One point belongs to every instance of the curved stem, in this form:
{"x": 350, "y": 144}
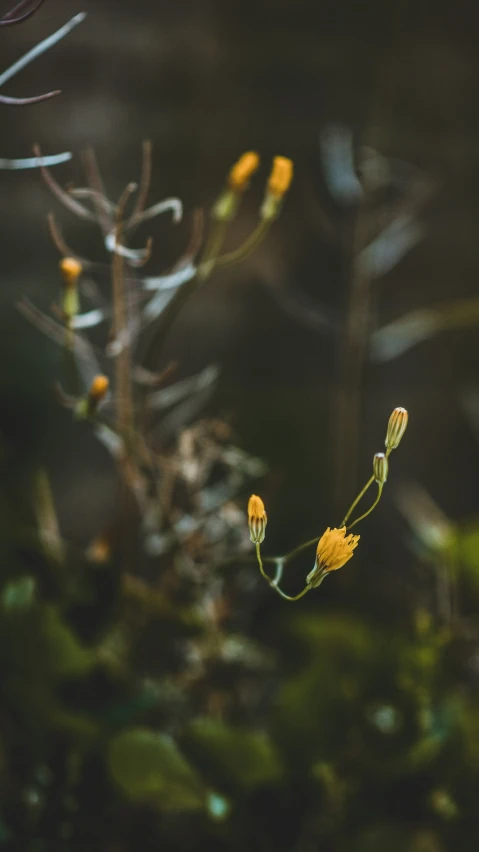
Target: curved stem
{"x": 287, "y": 597}
{"x": 260, "y": 563}
{"x": 356, "y": 501}
{"x": 273, "y": 582}
{"x": 361, "y": 517}
{"x": 279, "y": 570}
{"x": 212, "y": 249}
{"x": 300, "y": 548}
{"x": 248, "y": 246}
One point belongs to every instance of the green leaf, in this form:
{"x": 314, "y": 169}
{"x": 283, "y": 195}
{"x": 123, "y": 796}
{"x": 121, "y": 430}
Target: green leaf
{"x": 65, "y": 655}
{"x": 19, "y": 594}
{"x": 469, "y": 551}
{"x": 148, "y": 767}
{"x": 247, "y": 758}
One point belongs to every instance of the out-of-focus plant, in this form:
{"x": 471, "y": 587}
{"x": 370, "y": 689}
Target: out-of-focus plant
{"x": 21, "y": 12}
{"x": 143, "y": 609}
{"x": 139, "y": 305}
{"x": 380, "y": 200}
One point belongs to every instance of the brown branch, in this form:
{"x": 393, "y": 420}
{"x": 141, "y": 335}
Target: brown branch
{"x": 4, "y": 99}
{"x": 17, "y": 14}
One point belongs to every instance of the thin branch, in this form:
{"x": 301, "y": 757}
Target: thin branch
{"x": 105, "y": 209}
{"x": 41, "y": 48}
{"x": 102, "y": 204}
{"x": 173, "y": 204}
{"x": 145, "y": 181}
{"x": 59, "y": 193}
{"x": 61, "y": 245}
{"x": 36, "y": 99}
{"x": 120, "y": 323}
{"x": 17, "y": 14}
{"x": 34, "y": 162}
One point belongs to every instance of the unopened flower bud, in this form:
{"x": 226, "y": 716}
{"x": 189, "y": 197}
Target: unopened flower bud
{"x": 88, "y": 405}
{"x": 99, "y": 388}
{"x": 396, "y": 428}
{"x": 99, "y": 550}
{"x": 241, "y": 172}
{"x": 380, "y": 468}
{"x": 280, "y": 177}
{"x": 238, "y": 181}
{"x": 278, "y": 184}
{"x": 71, "y": 269}
{"x": 256, "y": 519}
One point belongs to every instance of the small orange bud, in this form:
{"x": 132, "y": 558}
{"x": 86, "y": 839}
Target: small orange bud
{"x": 256, "y": 519}
{"x": 71, "y": 270}
{"x": 98, "y": 389}
{"x": 241, "y": 172}
{"x": 99, "y": 550}
{"x": 396, "y": 428}
{"x": 280, "y": 177}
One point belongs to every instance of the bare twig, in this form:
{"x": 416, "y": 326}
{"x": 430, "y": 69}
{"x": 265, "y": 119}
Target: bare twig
{"x": 41, "y": 48}
{"x": 18, "y": 13}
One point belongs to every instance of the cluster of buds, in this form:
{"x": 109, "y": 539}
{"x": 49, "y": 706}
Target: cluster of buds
{"x": 396, "y": 428}
{"x": 336, "y": 546}
{"x": 238, "y": 182}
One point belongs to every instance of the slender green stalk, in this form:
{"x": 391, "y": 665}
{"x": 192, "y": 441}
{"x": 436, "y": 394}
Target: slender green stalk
{"x": 279, "y": 571}
{"x": 248, "y": 246}
{"x": 356, "y": 501}
{"x": 212, "y": 250}
{"x": 361, "y": 517}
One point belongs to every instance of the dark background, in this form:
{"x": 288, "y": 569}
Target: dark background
{"x": 205, "y": 81}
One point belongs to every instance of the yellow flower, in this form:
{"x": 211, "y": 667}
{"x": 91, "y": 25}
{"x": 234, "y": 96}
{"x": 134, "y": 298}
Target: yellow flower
{"x": 280, "y": 177}
{"x": 333, "y": 550}
{"x": 256, "y": 519}
{"x": 241, "y": 172}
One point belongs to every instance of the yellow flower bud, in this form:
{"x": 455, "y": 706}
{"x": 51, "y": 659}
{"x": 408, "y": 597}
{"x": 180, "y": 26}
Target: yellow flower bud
{"x": 256, "y": 519}
{"x": 99, "y": 550}
{"x": 278, "y": 184}
{"x": 98, "y": 389}
{"x": 380, "y": 468}
{"x": 71, "y": 270}
{"x": 396, "y": 428}
{"x": 241, "y": 172}
{"x": 280, "y": 177}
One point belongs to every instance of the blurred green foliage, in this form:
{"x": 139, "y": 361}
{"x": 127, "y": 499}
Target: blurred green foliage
{"x": 357, "y": 736}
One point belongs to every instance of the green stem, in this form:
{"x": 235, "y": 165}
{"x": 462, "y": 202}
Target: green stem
{"x": 361, "y": 517}
{"x": 300, "y": 548}
{"x": 287, "y": 597}
{"x": 356, "y": 501}
{"x": 248, "y": 246}
{"x": 260, "y": 563}
{"x": 212, "y": 250}
{"x": 279, "y": 571}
